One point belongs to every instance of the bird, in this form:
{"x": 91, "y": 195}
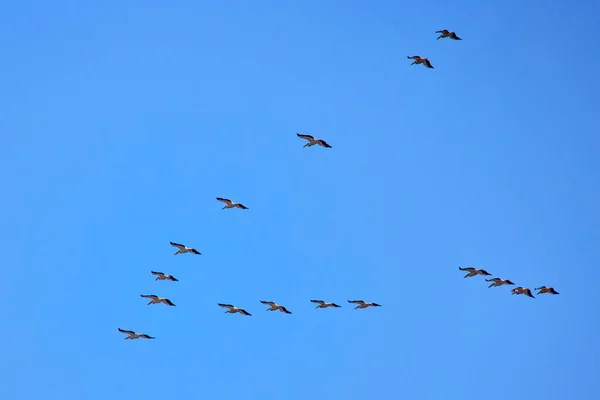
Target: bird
{"x": 323, "y": 304}
{"x": 474, "y": 271}
{"x": 420, "y": 60}
{"x": 312, "y": 141}
{"x": 363, "y": 304}
{"x": 446, "y": 33}
{"x": 231, "y": 204}
{"x": 274, "y": 307}
{"x": 544, "y": 289}
{"x": 498, "y": 282}
{"x": 156, "y": 300}
{"x": 133, "y": 335}
{"x": 184, "y": 249}
{"x": 233, "y": 309}
{"x": 164, "y": 277}
{"x": 521, "y": 290}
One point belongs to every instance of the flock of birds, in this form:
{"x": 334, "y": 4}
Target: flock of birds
{"x": 360, "y": 304}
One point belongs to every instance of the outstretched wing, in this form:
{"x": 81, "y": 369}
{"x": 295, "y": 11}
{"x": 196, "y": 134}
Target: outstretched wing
{"x": 428, "y": 64}
{"x": 241, "y": 206}
{"x": 268, "y": 302}
{"x": 242, "y": 311}
{"x": 317, "y": 301}
{"x": 356, "y": 301}
{"x": 324, "y": 143}
{"x": 227, "y": 201}
{"x": 414, "y": 57}
{"x": 226, "y": 305}
{"x": 444, "y": 31}
{"x": 143, "y": 335}
{"x": 177, "y": 245}
{"x": 168, "y": 302}
{"x": 157, "y": 273}
{"x": 285, "y": 310}
{"x": 125, "y": 331}
{"x": 307, "y": 137}
{"x": 149, "y": 296}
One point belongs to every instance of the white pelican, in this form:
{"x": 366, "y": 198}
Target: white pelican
{"x": 162, "y": 277}
{"x": 231, "y": 204}
{"x": 521, "y": 290}
{"x": 499, "y": 282}
{"x": 323, "y": 304}
{"x": 420, "y": 60}
{"x": 133, "y": 335}
{"x": 474, "y": 271}
{"x": 446, "y": 33}
{"x": 312, "y": 141}
{"x": 544, "y": 289}
{"x": 274, "y": 307}
{"x": 363, "y": 304}
{"x": 156, "y": 300}
{"x": 184, "y": 249}
{"x": 233, "y": 309}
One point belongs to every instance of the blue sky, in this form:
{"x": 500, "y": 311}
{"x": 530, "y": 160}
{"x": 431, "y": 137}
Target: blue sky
{"x": 122, "y": 123}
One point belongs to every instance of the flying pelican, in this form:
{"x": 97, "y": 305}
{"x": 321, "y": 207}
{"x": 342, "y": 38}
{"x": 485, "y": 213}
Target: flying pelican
{"x": 274, "y": 307}
{"x": 323, "y": 304}
{"x": 446, "y": 33}
{"x": 498, "y": 282}
{"x": 184, "y": 249}
{"x": 474, "y": 271}
{"x": 233, "y": 309}
{"x": 231, "y": 204}
{"x": 156, "y": 300}
{"x": 162, "y": 277}
{"x": 363, "y": 304}
{"x": 544, "y": 289}
{"x": 420, "y": 60}
{"x": 521, "y": 290}
{"x": 312, "y": 141}
{"x": 133, "y": 335}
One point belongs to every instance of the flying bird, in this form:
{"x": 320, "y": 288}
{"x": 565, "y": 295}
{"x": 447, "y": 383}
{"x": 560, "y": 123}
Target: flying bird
{"x": 420, "y": 60}
{"x": 274, "y": 307}
{"x": 133, "y": 335}
{"x": 446, "y": 33}
{"x": 233, "y": 309}
{"x": 474, "y": 271}
{"x": 312, "y": 141}
{"x": 363, "y": 304}
{"x": 184, "y": 249}
{"x": 544, "y": 289}
{"x": 498, "y": 282}
{"x": 521, "y": 290}
{"x": 164, "y": 277}
{"x": 323, "y": 304}
{"x": 231, "y": 204}
{"x": 156, "y": 300}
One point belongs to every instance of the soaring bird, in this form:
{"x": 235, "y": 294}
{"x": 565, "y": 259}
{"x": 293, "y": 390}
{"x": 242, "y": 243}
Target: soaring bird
{"x": 544, "y": 289}
{"x": 184, "y": 249}
{"x": 521, "y": 290}
{"x": 474, "y": 271}
{"x": 274, "y": 307}
{"x": 233, "y": 309}
{"x": 164, "y": 277}
{"x": 156, "y": 300}
{"x": 420, "y": 60}
{"x": 446, "y": 33}
{"x": 363, "y": 304}
{"x": 312, "y": 141}
{"x": 323, "y": 304}
{"x": 133, "y": 335}
{"x": 498, "y": 282}
{"x": 231, "y": 204}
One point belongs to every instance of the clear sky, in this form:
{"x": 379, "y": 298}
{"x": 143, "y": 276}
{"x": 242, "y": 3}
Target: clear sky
{"x": 121, "y": 123}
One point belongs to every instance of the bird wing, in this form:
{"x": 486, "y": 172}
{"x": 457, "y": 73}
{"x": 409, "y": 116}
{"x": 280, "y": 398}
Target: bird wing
{"x": 226, "y": 305}
{"x": 149, "y": 296}
{"x": 484, "y": 272}
{"x": 143, "y": 335}
{"x": 334, "y": 305}
{"x": 242, "y": 311}
{"x": 225, "y": 200}
{"x": 414, "y": 57}
{"x": 444, "y": 31}
{"x": 285, "y": 310}
{"x": 307, "y": 137}
{"x": 356, "y": 301}
{"x": 493, "y": 280}
{"x": 323, "y": 143}
{"x": 317, "y": 301}
{"x": 271, "y": 303}
{"x": 509, "y": 282}
{"x": 195, "y": 251}
{"x": 157, "y": 273}
{"x": 125, "y": 331}
{"x": 239, "y": 205}
{"x": 467, "y": 269}
{"x": 177, "y": 245}
{"x": 169, "y": 302}
{"x": 428, "y": 64}
{"x": 171, "y": 277}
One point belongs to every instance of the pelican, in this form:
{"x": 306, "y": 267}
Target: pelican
{"x": 184, "y": 249}
{"x": 163, "y": 277}
{"x": 133, "y": 335}
{"x": 474, "y": 271}
{"x": 521, "y": 290}
{"x": 446, "y": 33}
{"x": 323, "y": 304}
{"x": 231, "y": 204}
{"x": 363, "y": 304}
{"x": 233, "y": 309}
{"x": 156, "y": 300}
{"x": 274, "y": 307}
{"x": 544, "y": 289}
{"x": 498, "y": 282}
{"x": 420, "y": 60}
{"x": 312, "y": 141}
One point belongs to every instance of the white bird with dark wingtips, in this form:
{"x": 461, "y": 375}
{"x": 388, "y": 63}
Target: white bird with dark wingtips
{"x": 156, "y": 300}
{"x": 323, "y": 304}
{"x": 231, "y": 204}
{"x": 133, "y": 335}
{"x": 164, "y": 277}
{"x": 274, "y": 307}
{"x": 312, "y": 141}
{"x": 363, "y": 304}
{"x": 184, "y": 249}
{"x": 233, "y": 309}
